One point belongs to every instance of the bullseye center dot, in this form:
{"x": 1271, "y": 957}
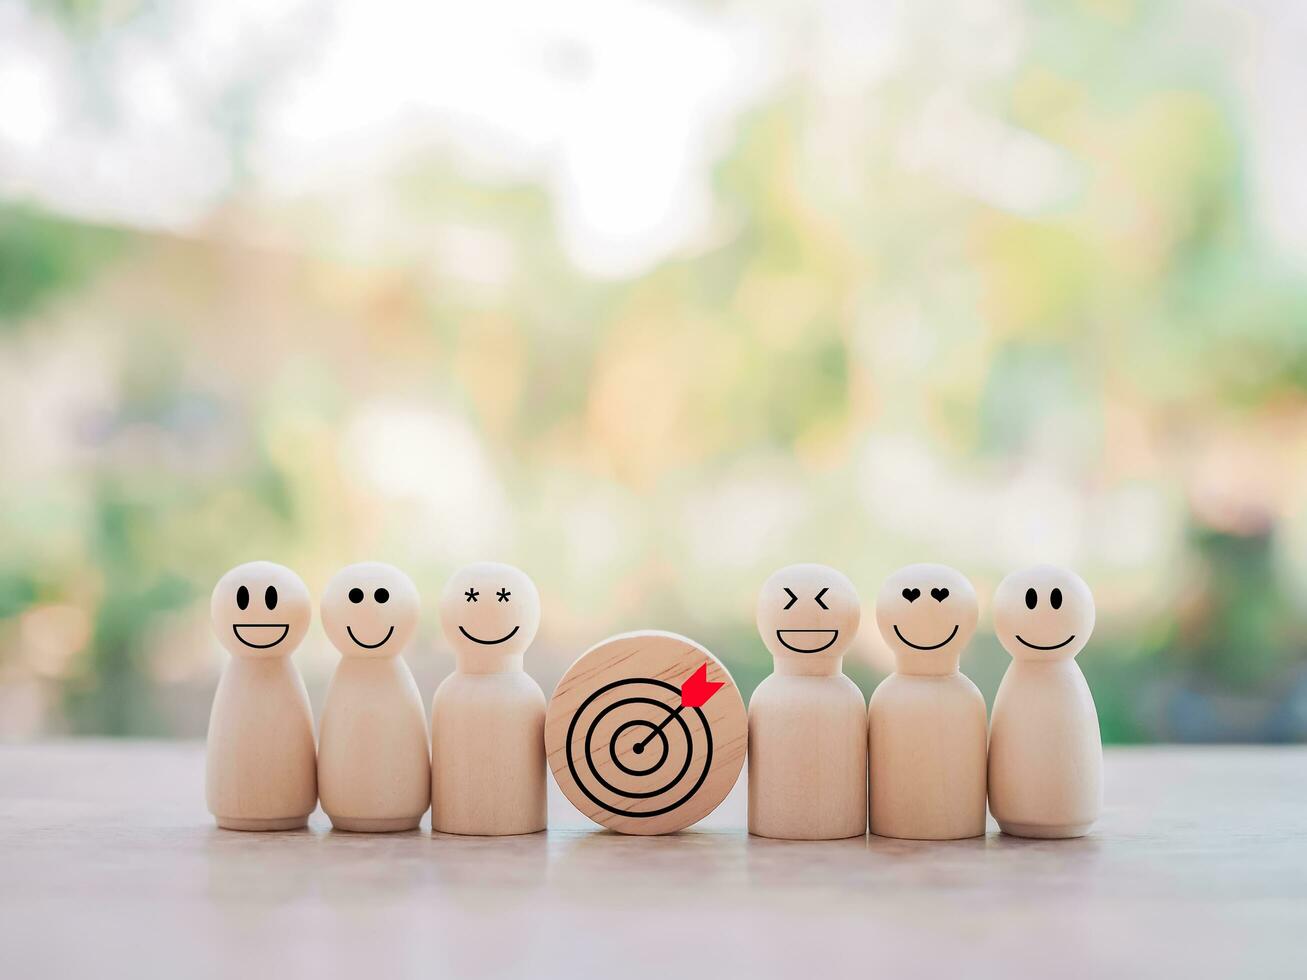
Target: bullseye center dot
{"x": 639, "y": 747}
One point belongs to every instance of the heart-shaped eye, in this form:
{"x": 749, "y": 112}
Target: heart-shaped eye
{"x": 939, "y": 595}
{"x": 911, "y": 594}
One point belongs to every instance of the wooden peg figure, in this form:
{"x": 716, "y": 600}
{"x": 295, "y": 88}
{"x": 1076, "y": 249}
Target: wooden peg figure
{"x": 488, "y": 717}
{"x": 260, "y": 769}
{"x": 807, "y": 721}
{"x": 373, "y": 764}
{"x": 926, "y": 721}
{"x": 1045, "y": 752}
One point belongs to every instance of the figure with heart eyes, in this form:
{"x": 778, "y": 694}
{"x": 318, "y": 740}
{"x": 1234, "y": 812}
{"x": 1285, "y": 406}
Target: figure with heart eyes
{"x": 807, "y": 721}
{"x": 926, "y": 721}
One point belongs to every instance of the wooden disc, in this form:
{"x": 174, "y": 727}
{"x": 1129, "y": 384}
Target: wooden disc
{"x": 627, "y": 752}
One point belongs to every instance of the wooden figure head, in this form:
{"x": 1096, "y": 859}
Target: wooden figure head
{"x": 807, "y": 612}
{"x": 260, "y": 609}
{"x": 370, "y": 610}
{"x": 1043, "y": 613}
{"x": 927, "y": 614}
{"x": 490, "y": 613}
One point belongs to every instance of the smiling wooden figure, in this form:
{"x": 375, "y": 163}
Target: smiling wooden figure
{"x": 488, "y": 717}
{"x": 1045, "y": 752}
{"x": 807, "y": 721}
{"x": 260, "y": 772}
{"x": 926, "y": 721}
{"x": 373, "y": 763}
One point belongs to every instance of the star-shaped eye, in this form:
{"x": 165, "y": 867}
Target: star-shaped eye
{"x": 503, "y": 595}
{"x": 471, "y": 595}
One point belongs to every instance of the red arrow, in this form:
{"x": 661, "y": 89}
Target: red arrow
{"x": 697, "y": 689}
{"x": 695, "y": 692}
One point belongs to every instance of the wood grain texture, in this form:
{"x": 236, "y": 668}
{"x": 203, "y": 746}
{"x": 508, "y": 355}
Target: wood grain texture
{"x": 111, "y": 867}
{"x": 262, "y": 761}
{"x": 488, "y": 757}
{"x": 604, "y": 744}
{"x": 374, "y": 768}
{"x": 807, "y": 758}
{"x": 927, "y": 749}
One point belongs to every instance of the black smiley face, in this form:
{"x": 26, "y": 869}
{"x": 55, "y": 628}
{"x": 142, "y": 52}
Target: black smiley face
{"x": 939, "y": 594}
{"x": 502, "y": 595}
{"x": 272, "y": 633}
{"x": 381, "y": 597}
{"x": 1032, "y": 603}
{"x": 802, "y": 640}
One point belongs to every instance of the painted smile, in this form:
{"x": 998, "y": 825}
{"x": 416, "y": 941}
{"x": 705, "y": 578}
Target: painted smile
{"x": 781, "y": 634}
{"x": 283, "y": 627}
{"x": 1055, "y": 646}
{"x": 370, "y": 646}
{"x": 476, "y": 639}
{"x": 916, "y": 646}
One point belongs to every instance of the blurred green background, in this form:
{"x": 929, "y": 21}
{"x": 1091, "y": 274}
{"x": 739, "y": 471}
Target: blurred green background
{"x": 650, "y": 299}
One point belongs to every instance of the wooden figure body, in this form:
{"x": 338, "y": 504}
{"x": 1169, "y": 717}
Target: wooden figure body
{"x": 807, "y": 721}
{"x": 926, "y": 721}
{"x": 488, "y": 717}
{"x": 260, "y": 769}
{"x": 1045, "y": 752}
{"x": 373, "y": 764}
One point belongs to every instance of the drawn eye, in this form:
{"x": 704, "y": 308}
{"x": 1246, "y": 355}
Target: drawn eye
{"x": 381, "y": 595}
{"x": 471, "y": 595}
{"x": 1055, "y": 598}
{"x": 793, "y": 598}
{"x": 503, "y": 595}
{"x": 817, "y": 598}
{"x": 1032, "y": 599}
{"x": 243, "y": 597}
{"x": 270, "y": 598}
{"x": 356, "y": 596}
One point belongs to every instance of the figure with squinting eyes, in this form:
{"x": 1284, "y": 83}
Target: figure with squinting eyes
{"x": 807, "y": 721}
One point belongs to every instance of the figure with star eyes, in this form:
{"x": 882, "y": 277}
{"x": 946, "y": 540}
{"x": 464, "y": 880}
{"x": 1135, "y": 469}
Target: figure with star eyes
{"x": 488, "y": 717}
{"x": 807, "y": 721}
{"x": 1045, "y": 751}
{"x": 374, "y": 766}
{"x": 261, "y": 768}
{"x": 926, "y": 721}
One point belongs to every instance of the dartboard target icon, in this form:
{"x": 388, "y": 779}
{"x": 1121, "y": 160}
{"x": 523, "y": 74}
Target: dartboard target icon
{"x": 646, "y": 733}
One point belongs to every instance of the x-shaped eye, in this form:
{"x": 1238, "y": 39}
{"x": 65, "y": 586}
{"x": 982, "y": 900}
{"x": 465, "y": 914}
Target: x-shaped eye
{"x": 793, "y": 598}
{"x": 817, "y": 598}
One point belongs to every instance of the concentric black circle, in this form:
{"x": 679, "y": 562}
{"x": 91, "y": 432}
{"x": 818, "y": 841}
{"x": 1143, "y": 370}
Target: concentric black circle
{"x": 653, "y": 763}
{"x": 669, "y": 786}
{"x": 629, "y": 794}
